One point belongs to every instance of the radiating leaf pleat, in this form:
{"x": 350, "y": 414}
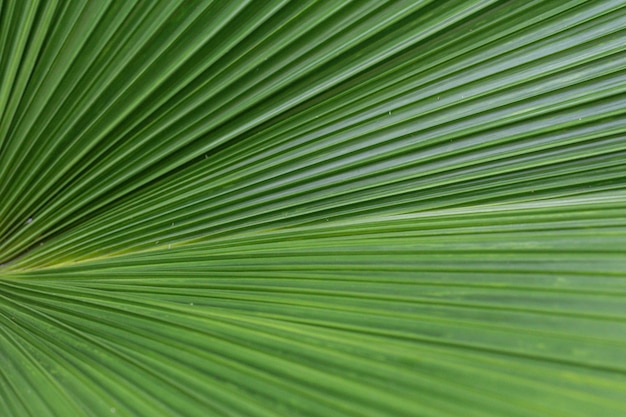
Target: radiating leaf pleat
{"x": 313, "y": 208}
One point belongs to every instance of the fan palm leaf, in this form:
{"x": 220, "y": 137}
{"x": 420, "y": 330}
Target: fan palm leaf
{"x": 313, "y": 208}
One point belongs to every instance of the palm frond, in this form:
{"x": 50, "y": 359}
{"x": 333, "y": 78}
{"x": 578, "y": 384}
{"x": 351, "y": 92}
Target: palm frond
{"x": 314, "y": 208}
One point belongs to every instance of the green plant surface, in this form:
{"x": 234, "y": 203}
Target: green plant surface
{"x": 313, "y": 208}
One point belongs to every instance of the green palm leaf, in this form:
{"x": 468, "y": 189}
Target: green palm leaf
{"x": 313, "y": 208}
